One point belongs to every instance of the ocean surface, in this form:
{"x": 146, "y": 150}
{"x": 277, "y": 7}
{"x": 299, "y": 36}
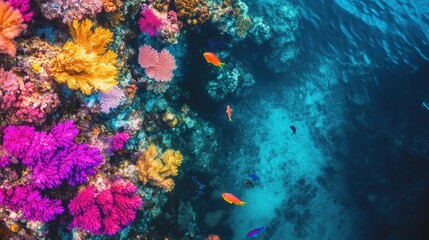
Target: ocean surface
{"x": 328, "y": 137}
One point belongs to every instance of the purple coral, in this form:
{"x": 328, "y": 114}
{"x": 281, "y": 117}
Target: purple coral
{"x": 64, "y": 133}
{"x": 105, "y": 212}
{"x": 111, "y": 99}
{"x": 34, "y": 206}
{"x": 149, "y": 22}
{"x": 53, "y": 156}
{"x": 24, "y": 8}
{"x": 119, "y": 140}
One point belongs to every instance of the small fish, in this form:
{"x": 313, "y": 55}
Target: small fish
{"x": 229, "y": 112}
{"x": 249, "y": 183}
{"x": 293, "y": 129}
{"x": 254, "y": 177}
{"x": 213, "y": 59}
{"x": 232, "y": 199}
{"x": 255, "y": 232}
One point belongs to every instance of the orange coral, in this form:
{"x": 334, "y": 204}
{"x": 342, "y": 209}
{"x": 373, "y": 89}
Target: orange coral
{"x": 112, "y": 5}
{"x": 156, "y": 171}
{"x": 192, "y": 12}
{"x": 212, "y": 237}
{"x": 10, "y": 27}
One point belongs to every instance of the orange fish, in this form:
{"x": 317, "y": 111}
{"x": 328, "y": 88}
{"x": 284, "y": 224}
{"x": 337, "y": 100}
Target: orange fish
{"x": 213, "y": 59}
{"x": 232, "y": 199}
{"x": 229, "y": 112}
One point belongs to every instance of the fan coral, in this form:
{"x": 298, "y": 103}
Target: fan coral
{"x": 24, "y": 8}
{"x": 149, "y": 22}
{"x": 111, "y": 99}
{"x": 105, "y": 212}
{"x": 11, "y": 25}
{"x": 84, "y": 63}
{"x": 70, "y": 10}
{"x": 157, "y": 66}
{"x": 156, "y": 171}
{"x": 119, "y": 140}
{"x": 33, "y": 205}
{"x": 53, "y": 156}
{"x": 148, "y": 57}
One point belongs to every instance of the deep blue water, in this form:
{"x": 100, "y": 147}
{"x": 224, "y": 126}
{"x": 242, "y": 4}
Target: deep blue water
{"x": 358, "y": 166}
{"x": 352, "y": 77}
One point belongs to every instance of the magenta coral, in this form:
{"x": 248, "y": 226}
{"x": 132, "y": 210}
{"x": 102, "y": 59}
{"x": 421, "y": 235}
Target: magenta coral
{"x": 107, "y": 211}
{"x": 159, "y": 67}
{"x": 33, "y": 205}
{"x": 69, "y": 10}
{"x": 52, "y": 158}
{"x": 149, "y": 22}
{"x": 24, "y": 8}
{"x": 119, "y": 140}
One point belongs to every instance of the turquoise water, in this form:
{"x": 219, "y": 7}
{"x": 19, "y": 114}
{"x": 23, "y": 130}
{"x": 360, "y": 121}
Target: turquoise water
{"x": 350, "y": 77}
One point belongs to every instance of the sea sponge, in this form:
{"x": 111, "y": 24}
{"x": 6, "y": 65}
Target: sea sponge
{"x": 11, "y": 25}
{"x": 156, "y": 171}
{"x": 84, "y": 63}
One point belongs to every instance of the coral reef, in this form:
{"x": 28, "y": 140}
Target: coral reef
{"x": 192, "y": 12}
{"x": 158, "y": 66}
{"x": 11, "y": 25}
{"x": 156, "y": 171}
{"x": 84, "y": 63}
{"x": 105, "y": 211}
{"x": 69, "y": 10}
{"x": 30, "y": 201}
{"x": 52, "y": 156}
{"x": 24, "y": 8}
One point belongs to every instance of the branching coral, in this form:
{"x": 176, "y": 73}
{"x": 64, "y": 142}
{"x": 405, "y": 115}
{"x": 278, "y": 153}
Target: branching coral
{"x": 192, "y": 12}
{"x": 52, "y": 157}
{"x": 11, "y": 25}
{"x": 33, "y": 205}
{"x": 85, "y": 63}
{"x": 106, "y": 211}
{"x": 156, "y": 171}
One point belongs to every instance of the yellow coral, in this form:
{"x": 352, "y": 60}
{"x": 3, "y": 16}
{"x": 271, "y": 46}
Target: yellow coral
{"x": 84, "y": 63}
{"x": 156, "y": 171}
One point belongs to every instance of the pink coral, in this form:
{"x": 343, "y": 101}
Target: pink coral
{"x": 11, "y": 25}
{"x": 24, "y": 8}
{"x": 160, "y": 66}
{"x": 106, "y": 211}
{"x": 148, "y": 56}
{"x": 23, "y": 100}
{"x": 69, "y": 10}
{"x": 149, "y": 22}
{"x": 119, "y": 140}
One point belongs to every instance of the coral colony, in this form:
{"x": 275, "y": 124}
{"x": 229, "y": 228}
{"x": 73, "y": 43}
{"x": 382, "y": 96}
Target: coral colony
{"x": 94, "y": 132}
